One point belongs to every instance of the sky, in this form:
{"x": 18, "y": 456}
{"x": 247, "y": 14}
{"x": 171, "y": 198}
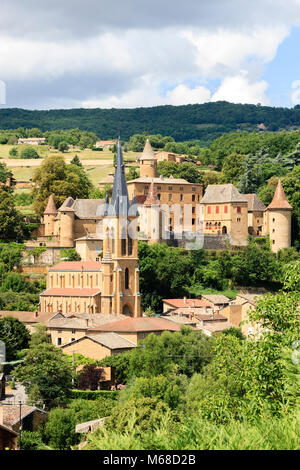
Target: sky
{"x": 132, "y": 53}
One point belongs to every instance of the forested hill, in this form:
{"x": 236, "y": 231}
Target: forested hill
{"x": 203, "y": 122}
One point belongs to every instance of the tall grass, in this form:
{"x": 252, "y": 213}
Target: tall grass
{"x": 266, "y": 433}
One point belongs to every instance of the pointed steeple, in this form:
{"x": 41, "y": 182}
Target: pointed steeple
{"x": 279, "y": 200}
{"x": 51, "y": 207}
{"x": 151, "y": 198}
{"x": 148, "y": 153}
{"x": 119, "y": 204}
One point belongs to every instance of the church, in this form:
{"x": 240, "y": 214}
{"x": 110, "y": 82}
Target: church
{"x": 110, "y": 285}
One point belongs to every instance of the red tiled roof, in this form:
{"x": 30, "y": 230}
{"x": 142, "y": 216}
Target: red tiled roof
{"x": 51, "y": 207}
{"x": 11, "y": 413}
{"x": 279, "y": 200}
{"x": 185, "y": 303}
{"x": 76, "y": 292}
{"x": 77, "y": 266}
{"x": 139, "y": 324}
{"x": 26, "y": 317}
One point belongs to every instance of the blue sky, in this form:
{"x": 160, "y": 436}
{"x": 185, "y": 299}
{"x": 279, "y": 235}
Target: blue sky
{"x": 284, "y": 70}
{"x": 131, "y": 53}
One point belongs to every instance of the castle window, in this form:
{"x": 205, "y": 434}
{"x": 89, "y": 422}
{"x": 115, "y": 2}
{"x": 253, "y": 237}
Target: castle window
{"x": 170, "y": 197}
{"x": 193, "y": 221}
{"x": 193, "y": 210}
{"x": 170, "y": 188}
{"x": 273, "y": 220}
{"x": 238, "y": 219}
{"x": 58, "y": 341}
{"x": 159, "y": 187}
{"x": 273, "y": 241}
{"x": 181, "y": 188}
{"x": 193, "y": 197}
{"x": 225, "y": 209}
{"x": 158, "y": 196}
{"x": 193, "y": 188}
{"x": 126, "y": 278}
{"x": 209, "y": 210}
{"x": 238, "y": 209}
{"x": 273, "y": 230}
{"x": 217, "y": 209}
{"x": 181, "y": 197}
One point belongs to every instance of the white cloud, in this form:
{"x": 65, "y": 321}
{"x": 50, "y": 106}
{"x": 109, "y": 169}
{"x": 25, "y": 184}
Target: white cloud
{"x": 122, "y": 54}
{"x": 295, "y": 93}
{"x": 238, "y": 89}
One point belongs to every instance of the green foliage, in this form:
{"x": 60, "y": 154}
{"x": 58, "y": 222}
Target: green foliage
{"x": 23, "y": 199}
{"x": 88, "y": 410}
{"x": 13, "y": 152}
{"x": 186, "y": 170}
{"x": 29, "y": 152}
{"x": 194, "y": 433}
{"x": 69, "y": 254}
{"x": 63, "y": 146}
{"x": 15, "y": 335}
{"x": 148, "y": 413}
{"x": 94, "y": 394}
{"x": 11, "y": 224}
{"x": 75, "y": 161}
{"x": 32, "y": 441}
{"x": 60, "y": 429}
{"x": 186, "y": 350}
{"x": 55, "y": 177}
{"x": 4, "y": 173}
{"x": 46, "y": 374}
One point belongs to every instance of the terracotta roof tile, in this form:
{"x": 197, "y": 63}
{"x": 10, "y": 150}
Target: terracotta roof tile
{"x": 76, "y": 292}
{"x": 51, "y": 207}
{"x": 77, "y": 266}
{"x": 186, "y": 303}
{"x": 139, "y": 324}
{"x": 279, "y": 200}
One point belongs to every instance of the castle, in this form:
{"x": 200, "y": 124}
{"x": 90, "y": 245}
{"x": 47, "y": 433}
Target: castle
{"x": 167, "y": 206}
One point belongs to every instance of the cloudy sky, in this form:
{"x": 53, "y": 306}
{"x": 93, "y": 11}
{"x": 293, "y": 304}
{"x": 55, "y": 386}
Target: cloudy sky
{"x": 128, "y": 53}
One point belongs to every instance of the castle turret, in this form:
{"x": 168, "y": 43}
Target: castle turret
{"x": 67, "y": 217}
{"x": 277, "y": 220}
{"x": 148, "y": 162}
{"x": 49, "y": 216}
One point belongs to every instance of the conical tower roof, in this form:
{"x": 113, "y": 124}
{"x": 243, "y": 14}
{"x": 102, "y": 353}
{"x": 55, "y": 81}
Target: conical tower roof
{"x": 148, "y": 153}
{"x": 51, "y": 207}
{"x": 151, "y": 198}
{"x": 279, "y": 200}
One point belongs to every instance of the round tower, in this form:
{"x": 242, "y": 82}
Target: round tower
{"x": 278, "y": 220}
{"x": 148, "y": 162}
{"x": 49, "y": 216}
{"x": 67, "y": 218}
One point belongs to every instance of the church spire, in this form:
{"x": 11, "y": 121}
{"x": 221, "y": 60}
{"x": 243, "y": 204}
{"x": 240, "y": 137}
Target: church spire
{"x": 119, "y": 204}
